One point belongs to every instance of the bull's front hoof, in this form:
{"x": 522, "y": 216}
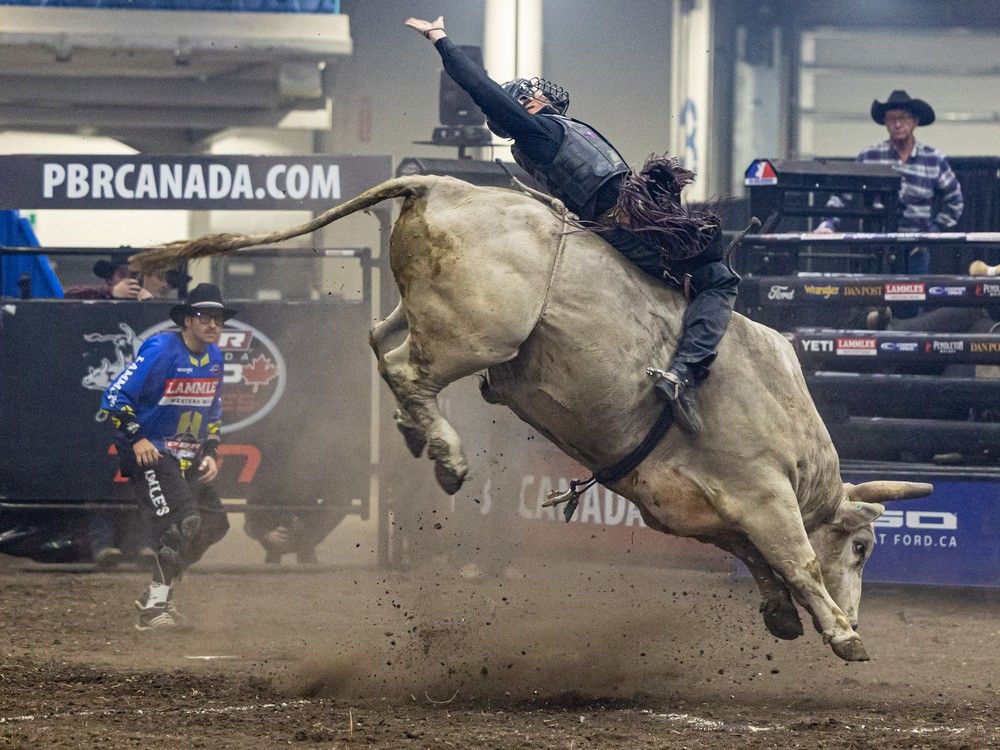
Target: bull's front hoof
{"x": 781, "y": 619}
{"x": 414, "y": 438}
{"x": 850, "y": 649}
{"x": 449, "y": 479}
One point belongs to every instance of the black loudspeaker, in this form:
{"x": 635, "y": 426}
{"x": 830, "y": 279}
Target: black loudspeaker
{"x": 455, "y": 107}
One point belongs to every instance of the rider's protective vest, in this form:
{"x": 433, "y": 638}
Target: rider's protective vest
{"x": 585, "y": 161}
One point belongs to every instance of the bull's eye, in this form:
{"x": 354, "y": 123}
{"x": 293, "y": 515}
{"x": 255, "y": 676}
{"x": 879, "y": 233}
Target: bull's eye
{"x": 860, "y": 548}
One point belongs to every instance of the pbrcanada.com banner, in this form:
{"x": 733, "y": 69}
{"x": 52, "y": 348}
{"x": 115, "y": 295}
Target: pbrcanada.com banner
{"x": 140, "y": 181}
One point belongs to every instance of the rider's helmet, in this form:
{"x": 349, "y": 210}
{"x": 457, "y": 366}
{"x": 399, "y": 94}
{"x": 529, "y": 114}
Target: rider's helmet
{"x": 524, "y": 89}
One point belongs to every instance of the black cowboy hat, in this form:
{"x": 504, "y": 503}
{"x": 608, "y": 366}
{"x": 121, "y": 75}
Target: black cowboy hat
{"x": 899, "y": 99}
{"x": 105, "y": 269}
{"x": 204, "y": 297}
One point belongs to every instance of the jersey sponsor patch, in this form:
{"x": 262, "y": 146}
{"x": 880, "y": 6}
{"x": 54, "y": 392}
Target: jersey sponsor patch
{"x": 189, "y": 391}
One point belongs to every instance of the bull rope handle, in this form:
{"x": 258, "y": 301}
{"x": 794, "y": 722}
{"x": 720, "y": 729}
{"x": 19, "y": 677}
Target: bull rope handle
{"x": 554, "y": 203}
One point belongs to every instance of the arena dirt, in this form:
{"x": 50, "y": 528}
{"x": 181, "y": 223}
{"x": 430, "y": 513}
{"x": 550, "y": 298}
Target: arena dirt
{"x": 574, "y": 655}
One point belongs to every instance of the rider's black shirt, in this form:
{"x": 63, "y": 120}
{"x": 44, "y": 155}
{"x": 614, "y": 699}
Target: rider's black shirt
{"x": 539, "y": 137}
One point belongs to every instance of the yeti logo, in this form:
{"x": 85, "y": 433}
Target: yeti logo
{"x": 126, "y": 345}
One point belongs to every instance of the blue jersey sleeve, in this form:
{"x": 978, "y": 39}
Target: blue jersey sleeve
{"x": 121, "y": 399}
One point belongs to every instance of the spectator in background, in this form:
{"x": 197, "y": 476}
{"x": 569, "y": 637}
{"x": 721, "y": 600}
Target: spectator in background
{"x": 925, "y": 174}
{"x": 162, "y": 284}
{"x": 119, "y": 281}
{"x": 281, "y": 531}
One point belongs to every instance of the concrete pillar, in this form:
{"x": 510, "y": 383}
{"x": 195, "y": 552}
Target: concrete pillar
{"x": 512, "y": 44}
{"x": 691, "y": 89}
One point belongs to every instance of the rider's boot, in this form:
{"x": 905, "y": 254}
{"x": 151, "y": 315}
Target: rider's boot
{"x": 675, "y": 386}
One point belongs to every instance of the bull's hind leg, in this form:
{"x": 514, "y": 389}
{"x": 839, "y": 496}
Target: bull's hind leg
{"x": 379, "y": 339}
{"x": 774, "y": 527}
{"x": 417, "y": 388}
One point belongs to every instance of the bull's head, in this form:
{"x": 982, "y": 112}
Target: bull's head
{"x": 845, "y": 542}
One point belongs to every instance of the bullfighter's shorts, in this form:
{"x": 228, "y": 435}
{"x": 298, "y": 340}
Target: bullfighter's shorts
{"x": 167, "y": 497}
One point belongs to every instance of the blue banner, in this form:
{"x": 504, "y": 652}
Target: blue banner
{"x": 951, "y": 537}
{"x": 237, "y": 6}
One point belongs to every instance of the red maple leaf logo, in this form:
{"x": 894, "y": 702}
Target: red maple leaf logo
{"x": 260, "y": 371}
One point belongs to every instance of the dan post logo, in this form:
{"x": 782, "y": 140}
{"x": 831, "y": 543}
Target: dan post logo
{"x": 254, "y": 377}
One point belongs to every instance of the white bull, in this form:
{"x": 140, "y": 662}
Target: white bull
{"x": 565, "y": 326}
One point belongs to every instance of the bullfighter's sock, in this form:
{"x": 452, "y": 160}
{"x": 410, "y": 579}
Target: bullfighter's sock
{"x": 158, "y": 593}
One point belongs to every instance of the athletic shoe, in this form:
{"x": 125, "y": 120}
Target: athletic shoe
{"x": 154, "y": 618}
{"x": 107, "y": 558}
{"x": 183, "y": 621}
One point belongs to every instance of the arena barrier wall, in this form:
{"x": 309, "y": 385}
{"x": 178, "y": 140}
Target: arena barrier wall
{"x": 951, "y": 537}
{"x": 296, "y": 400}
{"x": 899, "y": 404}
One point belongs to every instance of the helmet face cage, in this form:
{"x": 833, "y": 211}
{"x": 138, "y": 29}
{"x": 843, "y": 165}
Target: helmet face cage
{"x": 523, "y": 90}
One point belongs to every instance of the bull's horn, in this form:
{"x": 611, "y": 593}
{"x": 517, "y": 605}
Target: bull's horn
{"x": 883, "y": 491}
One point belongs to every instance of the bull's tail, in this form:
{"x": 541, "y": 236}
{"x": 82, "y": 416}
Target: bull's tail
{"x": 173, "y": 254}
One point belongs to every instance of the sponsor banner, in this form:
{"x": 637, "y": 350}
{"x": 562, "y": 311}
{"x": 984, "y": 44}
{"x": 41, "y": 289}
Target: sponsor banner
{"x": 947, "y": 291}
{"x": 899, "y": 291}
{"x": 817, "y": 346}
{"x": 944, "y": 347}
{"x": 142, "y": 181}
{"x": 858, "y": 289}
{"x": 295, "y": 393}
{"x": 900, "y": 346}
{"x": 949, "y": 538}
{"x": 857, "y": 347}
{"x": 781, "y": 293}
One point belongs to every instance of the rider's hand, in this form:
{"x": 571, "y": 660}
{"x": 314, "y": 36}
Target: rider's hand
{"x": 822, "y": 229}
{"x": 145, "y": 453}
{"x": 432, "y": 30}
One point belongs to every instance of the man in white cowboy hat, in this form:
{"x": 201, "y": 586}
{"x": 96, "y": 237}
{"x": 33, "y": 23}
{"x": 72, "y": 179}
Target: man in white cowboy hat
{"x": 166, "y": 407}
{"x": 924, "y": 170}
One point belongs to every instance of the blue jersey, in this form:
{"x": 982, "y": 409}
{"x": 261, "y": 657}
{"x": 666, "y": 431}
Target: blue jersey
{"x": 169, "y": 396}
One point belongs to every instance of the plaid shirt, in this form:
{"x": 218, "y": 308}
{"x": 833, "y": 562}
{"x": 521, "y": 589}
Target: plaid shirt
{"x": 924, "y": 173}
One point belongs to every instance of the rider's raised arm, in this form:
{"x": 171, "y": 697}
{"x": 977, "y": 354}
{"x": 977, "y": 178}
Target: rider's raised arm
{"x": 538, "y": 136}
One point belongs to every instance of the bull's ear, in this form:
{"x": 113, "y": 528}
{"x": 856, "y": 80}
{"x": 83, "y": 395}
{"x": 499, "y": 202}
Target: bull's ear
{"x": 853, "y": 515}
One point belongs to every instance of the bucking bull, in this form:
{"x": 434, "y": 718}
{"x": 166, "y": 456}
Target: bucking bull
{"x": 497, "y": 280}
